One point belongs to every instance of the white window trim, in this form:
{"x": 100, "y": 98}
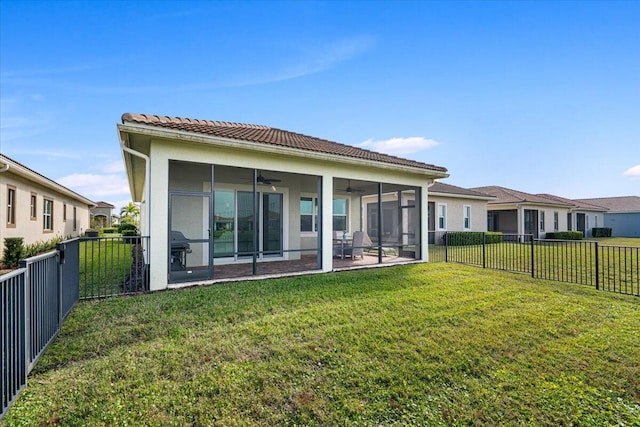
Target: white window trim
{"x": 464, "y": 217}
{"x": 46, "y": 215}
{"x": 315, "y": 214}
{"x": 438, "y": 216}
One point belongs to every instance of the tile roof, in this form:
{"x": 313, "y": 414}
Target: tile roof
{"x": 508, "y": 195}
{"x": 104, "y": 205}
{"x": 576, "y": 203}
{"x": 441, "y": 187}
{"x": 271, "y": 136}
{"x": 616, "y": 204}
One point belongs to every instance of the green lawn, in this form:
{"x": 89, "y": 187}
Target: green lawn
{"x": 422, "y": 344}
{"x": 104, "y": 265}
{"x": 574, "y": 262}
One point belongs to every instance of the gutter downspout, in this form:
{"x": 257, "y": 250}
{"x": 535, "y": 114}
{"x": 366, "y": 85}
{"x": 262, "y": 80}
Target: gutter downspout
{"x": 146, "y": 193}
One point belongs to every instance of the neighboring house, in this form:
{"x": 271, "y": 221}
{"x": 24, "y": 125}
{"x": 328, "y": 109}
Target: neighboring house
{"x": 102, "y": 215}
{"x": 622, "y": 215}
{"x": 582, "y": 216}
{"x": 452, "y": 208}
{"x": 36, "y": 208}
{"x": 223, "y": 200}
{"x": 517, "y": 212}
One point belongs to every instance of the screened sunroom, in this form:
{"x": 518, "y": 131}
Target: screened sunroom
{"x": 222, "y": 201}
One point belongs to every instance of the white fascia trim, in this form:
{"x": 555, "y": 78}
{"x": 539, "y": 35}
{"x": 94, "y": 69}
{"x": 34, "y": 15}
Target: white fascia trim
{"x": 461, "y": 196}
{"x": 44, "y": 181}
{"x": 256, "y": 146}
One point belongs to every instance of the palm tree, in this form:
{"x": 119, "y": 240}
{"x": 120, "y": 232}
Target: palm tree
{"x": 130, "y": 213}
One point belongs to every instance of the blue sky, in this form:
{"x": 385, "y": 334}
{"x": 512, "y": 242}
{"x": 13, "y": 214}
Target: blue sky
{"x": 542, "y": 97}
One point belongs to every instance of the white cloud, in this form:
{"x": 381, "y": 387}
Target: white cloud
{"x": 113, "y": 167}
{"x": 633, "y": 172}
{"x": 399, "y": 146}
{"x": 95, "y": 186}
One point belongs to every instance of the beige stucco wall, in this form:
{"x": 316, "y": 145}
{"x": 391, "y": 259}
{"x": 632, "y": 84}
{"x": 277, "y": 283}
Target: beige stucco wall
{"x": 32, "y": 229}
{"x": 161, "y": 151}
{"x": 455, "y": 212}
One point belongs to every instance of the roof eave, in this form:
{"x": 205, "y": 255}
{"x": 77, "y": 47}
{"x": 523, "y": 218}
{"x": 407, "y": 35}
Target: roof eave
{"x": 27, "y": 173}
{"x": 154, "y": 131}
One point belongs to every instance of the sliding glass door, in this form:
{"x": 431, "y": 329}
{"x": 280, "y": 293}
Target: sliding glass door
{"x": 272, "y": 224}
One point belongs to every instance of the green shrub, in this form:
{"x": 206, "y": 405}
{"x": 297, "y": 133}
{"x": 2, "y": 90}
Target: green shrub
{"x": 494, "y": 237}
{"x": 125, "y": 226}
{"x": 463, "y": 238}
{"x": 466, "y": 238}
{"x": 13, "y": 249}
{"x": 109, "y": 230}
{"x": 129, "y": 233}
{"x": 601, "y": 232}
{"x": 40, "y": 247}
{"x": 564, "y": 235}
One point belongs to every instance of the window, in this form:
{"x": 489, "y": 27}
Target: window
{"x": 64, "y": 212}
{"x": 541, "y": 220}
{"x": 596, "y": 219}
{"x": 75, "y": 219}
{"x": 340, "y": 215}
{"x": 308, "y": 214}
{"x": 467, "y": 217}
{"x": 33, "y": 207}
{"x": 442, "y": 217}
{"x": 47, "y": 215}
{"x": 11, "y": 206}
{"x": 555, "y": 221}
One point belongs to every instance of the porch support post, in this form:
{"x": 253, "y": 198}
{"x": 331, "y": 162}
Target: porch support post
{"x": 424, "y": 221}
{"x": 326, "y": 208}
{"x": 256, "y": 209}
{"x": 520, "y": 220}
{"x": 379, "y": 223}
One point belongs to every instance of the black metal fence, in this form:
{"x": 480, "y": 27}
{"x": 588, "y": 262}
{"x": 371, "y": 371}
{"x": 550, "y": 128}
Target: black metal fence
{"x": 35, "y": 300}
{"x": 112, "y": 266}
{"x": 606, "y": 267}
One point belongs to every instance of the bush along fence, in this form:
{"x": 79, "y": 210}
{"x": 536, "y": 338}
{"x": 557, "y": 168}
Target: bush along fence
{"x": 606, "y": 267}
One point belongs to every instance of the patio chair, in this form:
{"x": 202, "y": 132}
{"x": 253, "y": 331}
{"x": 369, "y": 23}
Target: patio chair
{"x": 355, "y": 248}
{"x": 370, "y": 248}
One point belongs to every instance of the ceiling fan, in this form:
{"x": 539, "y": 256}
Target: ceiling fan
{"x": 260, "y": 179}
{"x": 350, "y": 189}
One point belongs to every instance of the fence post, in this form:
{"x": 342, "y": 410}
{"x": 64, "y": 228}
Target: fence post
{"x": 597, "y": 266}
{"x": 484, "y": 250}
{"x": 27, "y": 315}
{"x": 532, "y": 258}
{"x": 446, "y": 247}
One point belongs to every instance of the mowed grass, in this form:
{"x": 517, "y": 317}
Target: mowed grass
{"x": 104, "y": 265}
{"x": 422, "y": 344}
{"x": 618, "y": 268}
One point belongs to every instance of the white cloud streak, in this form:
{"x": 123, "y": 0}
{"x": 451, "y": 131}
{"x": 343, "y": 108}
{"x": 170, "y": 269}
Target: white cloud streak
{"x": 399, "y": 146}
{"x": 97, "y": 186}
{"x": 633, "y": 172}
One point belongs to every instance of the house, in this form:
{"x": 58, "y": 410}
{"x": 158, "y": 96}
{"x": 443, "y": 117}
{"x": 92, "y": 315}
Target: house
{"x": 622, "y": 214}
{"x": 517, "y": 212}
{"x": 582, "y": 216}
{"x": 224, "y": 200}
{"x": 36, "y": 208}
{"x": 452, "y": 208}
{"x": 102, "y": 215}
